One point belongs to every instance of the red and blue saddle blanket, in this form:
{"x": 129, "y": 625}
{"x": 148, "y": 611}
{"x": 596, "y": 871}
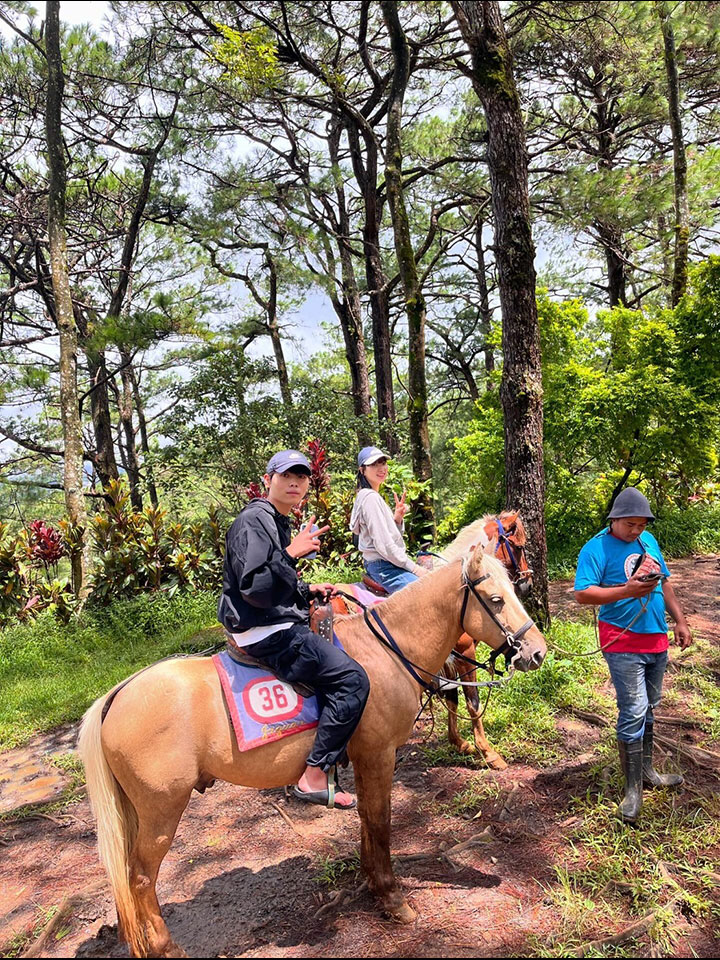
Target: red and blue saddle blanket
{"x": 263, "y": 708}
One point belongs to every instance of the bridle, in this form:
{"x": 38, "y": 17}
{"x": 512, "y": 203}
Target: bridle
{"x": 512, "y": 638}
{"x": 518, "y": 575}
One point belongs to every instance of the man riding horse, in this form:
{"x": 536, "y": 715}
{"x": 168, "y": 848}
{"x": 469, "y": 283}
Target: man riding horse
{"x": 265, "y": 609}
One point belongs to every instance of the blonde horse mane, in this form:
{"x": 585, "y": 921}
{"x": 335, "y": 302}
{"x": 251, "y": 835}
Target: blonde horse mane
{"x": 471, "y": 535}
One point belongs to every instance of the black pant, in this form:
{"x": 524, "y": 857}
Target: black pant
{"x": 297, "y": 655}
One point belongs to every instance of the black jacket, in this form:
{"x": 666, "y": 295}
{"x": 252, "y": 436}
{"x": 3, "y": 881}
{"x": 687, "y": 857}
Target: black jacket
{"x": 260, "y": 584}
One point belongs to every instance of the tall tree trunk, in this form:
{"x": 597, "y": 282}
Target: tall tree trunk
{"x": 144, "y": 443}
{"x": 349, "y": 309}
{"x": 69, "y": 408}
{"x": 366, "y": 176}
{"x": 126, "y": 419}
{"x": 610, "y": 237}
{"x": 482, "y": 28}
{"x": 609, "y": 233}
{"x": 414, "y": 299}
{"x": 105, "y": 463}
{"x": 104, "y": 459}
{"x": 682, "y": 213}
{"x": 273, "y": 329}
{"x": 484, "y": 307}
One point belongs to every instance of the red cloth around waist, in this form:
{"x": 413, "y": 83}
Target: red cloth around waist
{"x": 630, "y": 642}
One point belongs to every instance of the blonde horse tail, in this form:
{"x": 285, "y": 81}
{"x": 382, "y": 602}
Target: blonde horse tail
{"x": 117, "y": 825}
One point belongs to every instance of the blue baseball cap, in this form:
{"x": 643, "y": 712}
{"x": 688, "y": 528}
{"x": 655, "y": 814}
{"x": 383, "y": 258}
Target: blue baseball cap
{"x": 370, "y": 455}
{"x": 288, "y": 460}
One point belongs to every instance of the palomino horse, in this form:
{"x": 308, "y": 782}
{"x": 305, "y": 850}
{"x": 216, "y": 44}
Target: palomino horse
{"x": 501, "y": 535}
{"x": 169, "y": 732}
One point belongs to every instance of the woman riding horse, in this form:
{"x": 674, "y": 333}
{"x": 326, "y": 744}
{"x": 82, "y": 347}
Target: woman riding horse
{"x": 378, "y": 529}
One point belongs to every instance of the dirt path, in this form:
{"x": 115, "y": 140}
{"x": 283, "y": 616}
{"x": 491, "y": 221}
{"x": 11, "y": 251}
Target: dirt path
{"x": 240, "y": 880}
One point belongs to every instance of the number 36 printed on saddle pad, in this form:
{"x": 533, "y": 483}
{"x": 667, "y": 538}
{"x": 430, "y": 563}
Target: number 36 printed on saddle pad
{"x": 262, "y": 707}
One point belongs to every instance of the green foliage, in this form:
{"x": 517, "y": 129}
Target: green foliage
{"x": 28, "y": 583}
{"x": 249, "y": 57}
{"x": 138, "y": 552}
{"x": 629, "y": 393}
{"x": 51, "y": 672}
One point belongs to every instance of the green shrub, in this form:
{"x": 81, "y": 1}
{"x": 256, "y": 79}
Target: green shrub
{"x": 51, "y": 672}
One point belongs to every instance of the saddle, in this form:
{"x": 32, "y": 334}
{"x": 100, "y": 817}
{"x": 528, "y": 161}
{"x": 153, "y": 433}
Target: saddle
{"x": 321, "y": 623}
{"x": 374, "y": 587}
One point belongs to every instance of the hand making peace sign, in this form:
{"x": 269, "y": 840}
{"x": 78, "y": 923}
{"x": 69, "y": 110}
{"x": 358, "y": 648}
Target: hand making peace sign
{"x": 401, "y": 508}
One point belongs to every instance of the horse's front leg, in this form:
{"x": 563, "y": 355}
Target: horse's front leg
{"x": 373, "y": 780}
{"x": 460, "y": 743}
{"x": 490, "y": 755}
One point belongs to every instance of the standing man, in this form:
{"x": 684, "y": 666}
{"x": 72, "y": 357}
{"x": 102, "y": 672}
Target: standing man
{"x": 623, "y": 570}
{"x": 265, "y": 608}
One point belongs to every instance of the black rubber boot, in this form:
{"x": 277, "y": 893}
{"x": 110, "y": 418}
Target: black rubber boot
{"x": 651, "y": 778}
{"x": 631, "y": 761}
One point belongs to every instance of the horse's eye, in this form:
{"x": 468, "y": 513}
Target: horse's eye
{"x": 497, "y": 600}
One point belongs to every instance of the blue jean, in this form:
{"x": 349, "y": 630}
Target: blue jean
{"x": 637, "y": 678}
{"x": 388, "y": 575}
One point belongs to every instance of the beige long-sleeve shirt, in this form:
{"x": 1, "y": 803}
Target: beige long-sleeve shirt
{"x": 380, "y": 537}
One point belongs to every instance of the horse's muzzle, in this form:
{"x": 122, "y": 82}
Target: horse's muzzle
{"x": 530, "y": 659}
{"x": 523, "y": 589}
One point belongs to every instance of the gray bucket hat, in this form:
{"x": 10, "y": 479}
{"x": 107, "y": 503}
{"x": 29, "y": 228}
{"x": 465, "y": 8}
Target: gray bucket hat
{"x": 630, "y": 503}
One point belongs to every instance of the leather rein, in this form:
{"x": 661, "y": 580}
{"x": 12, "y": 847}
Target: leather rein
{"x": 511, "y": 642}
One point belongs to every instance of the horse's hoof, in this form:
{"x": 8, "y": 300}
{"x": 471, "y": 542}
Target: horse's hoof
{"x": 496, "y": 762}
{"x": 466, "y": 747}
{"x": 173, "y": 950}
{"x": 401, "y": 913}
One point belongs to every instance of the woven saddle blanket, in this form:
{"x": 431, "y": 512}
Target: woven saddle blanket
{"x": 262, "y": 707}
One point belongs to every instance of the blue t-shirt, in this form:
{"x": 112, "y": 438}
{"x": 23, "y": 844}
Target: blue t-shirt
{"x": 607, "y": 561}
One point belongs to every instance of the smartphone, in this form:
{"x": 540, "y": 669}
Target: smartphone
{"x": 310, "y": 556}
{"x": 655, "y": 577}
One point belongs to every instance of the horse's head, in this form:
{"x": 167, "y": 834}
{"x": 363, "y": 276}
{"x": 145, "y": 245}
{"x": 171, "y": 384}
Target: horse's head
{"x": 506, "y": 535}
{"x": 493, "y": 613}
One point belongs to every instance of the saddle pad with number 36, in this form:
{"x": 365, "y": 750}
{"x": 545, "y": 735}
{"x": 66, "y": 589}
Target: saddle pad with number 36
{"x": 262, "y": 707}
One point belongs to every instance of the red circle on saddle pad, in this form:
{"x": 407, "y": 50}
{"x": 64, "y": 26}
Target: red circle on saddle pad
{"x": 269, "y": 700}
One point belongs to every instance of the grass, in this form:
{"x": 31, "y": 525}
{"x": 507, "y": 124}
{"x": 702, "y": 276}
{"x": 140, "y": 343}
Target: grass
{"x": 18, "y": 944}
{"x": 51, "y": 672}
{"x": 611, "y": 870}
{"x": 521, "y": 716}
{"x": 476, "y": 795}
{"x": 333, "y": 870}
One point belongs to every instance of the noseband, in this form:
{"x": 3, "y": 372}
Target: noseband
{"x": 512, "y": 640}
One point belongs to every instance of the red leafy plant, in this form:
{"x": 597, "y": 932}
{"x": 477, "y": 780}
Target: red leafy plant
{"x": 254, "y": 491}
{"x": 46, "y": 543}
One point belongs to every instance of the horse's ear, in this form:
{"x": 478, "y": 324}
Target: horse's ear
{"x": 475, "y": 557}
{"x": 491, "y": 546}
{"x": 511, "y": 517}
{"x": 491, "y": 529}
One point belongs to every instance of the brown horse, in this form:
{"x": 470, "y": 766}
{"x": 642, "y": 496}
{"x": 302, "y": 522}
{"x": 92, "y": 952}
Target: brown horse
{"x": 503, "y": 536}
{"x": 169, "y": 732}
